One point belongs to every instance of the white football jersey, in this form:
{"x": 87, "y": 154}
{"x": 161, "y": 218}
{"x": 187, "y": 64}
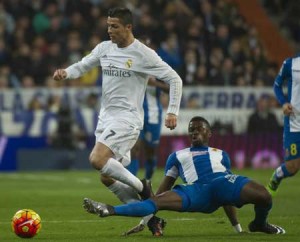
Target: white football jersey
{"x": 125, "y": 73}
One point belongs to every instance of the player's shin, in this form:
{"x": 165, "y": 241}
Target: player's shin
{"x": 280, "y": 173}
{"x": 261, "y": 214}
{"x": 116, "y": 170}
{"x": 125, "y": 193}
{"x": 137, "y": 209}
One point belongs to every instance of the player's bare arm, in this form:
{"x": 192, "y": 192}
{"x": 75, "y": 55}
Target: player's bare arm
{"x": 166, "y": 184}
{"x": 60, "y": 74}
{"x": 171, "y": 121}
{"x": 232, "y": 216}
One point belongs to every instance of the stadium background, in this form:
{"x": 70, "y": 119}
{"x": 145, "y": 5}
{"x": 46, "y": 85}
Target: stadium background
{"x": 227, "y": 52}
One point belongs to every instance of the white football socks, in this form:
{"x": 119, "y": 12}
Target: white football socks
{"x": 116, "y": 170}
{"x": 125, "y": 193}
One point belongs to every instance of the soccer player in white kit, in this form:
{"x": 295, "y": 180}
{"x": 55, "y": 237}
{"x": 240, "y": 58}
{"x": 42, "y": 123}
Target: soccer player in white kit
{"x": 126, "y": 66}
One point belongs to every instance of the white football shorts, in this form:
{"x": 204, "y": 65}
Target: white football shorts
{"x": 120, "y": 137}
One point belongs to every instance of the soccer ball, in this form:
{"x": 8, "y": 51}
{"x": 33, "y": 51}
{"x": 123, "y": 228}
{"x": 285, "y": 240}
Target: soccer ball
{"x": 26, "y": 223}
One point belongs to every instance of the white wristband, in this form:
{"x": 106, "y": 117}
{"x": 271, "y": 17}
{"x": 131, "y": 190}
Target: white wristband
{"x": 237, "y": 228}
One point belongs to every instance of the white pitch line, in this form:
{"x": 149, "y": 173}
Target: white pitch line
{"x": 183, "y": 219}
{"x": 37, "y": 177}
{"x": 33, "y": 177}
{"x": 125, "y": 219}
{"x": 119, "y": 219}
{"x": 104, "y": 220}
{"x": 84, "y": 180}
{"x": 74, "y": 221}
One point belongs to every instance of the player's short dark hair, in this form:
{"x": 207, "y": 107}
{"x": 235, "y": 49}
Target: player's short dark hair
{"x": 124, "y": 14}
{"x": 201, "y": 119}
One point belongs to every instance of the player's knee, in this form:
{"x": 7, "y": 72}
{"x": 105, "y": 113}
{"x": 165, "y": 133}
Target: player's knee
{"x": 265, "y": 197}
{"x": 157, "y": 203}
{"x": 96, "y": 161}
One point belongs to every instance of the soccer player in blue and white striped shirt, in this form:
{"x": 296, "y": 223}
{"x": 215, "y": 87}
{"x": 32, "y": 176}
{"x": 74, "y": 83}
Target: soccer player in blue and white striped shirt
{"x": 289, "y": 74}
{"x": 208, "y": 185}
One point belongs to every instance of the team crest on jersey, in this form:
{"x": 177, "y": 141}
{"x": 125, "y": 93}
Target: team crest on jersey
{"x": 128, "y": 63}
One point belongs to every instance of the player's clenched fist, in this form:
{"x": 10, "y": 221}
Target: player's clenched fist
{"x": 171, "y": 121}
{"x": 59, "y": 74}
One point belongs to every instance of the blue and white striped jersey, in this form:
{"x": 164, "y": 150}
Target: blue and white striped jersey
{"x": 290, "y": 73}
{"x": 198, "y": 164}
{"x": 152, "y": 105}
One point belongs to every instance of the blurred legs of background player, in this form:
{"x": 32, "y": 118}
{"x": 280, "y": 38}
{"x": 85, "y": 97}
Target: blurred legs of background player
{"x": 134, "y": 165}
{"x": 287, "y": 169}
{"x": 291, "y": 166}
{"x": 147, "y": 146}
{"x": 148, "y": 142}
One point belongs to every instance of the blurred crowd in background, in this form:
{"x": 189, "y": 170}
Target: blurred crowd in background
{"x": 286, "y": 14}
{"x": 206, "y": 41}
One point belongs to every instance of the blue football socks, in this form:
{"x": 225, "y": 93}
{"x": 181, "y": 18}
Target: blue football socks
{"x": 150, "y": 166}
{"x": 136, "y": 209}
{"x": 133, "y": 167}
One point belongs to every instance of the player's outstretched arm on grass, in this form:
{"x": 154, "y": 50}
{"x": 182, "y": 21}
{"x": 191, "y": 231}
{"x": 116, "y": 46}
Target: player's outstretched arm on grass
{"x": 232, "y": 216}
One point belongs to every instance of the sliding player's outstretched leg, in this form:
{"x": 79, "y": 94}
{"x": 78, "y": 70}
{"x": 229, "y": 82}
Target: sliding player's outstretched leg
{"x": 100, "y": 209}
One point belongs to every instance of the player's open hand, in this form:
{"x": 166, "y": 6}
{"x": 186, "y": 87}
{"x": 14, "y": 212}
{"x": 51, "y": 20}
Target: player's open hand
{"x": 171, "y": 121}
{"x": 59, "y": 75}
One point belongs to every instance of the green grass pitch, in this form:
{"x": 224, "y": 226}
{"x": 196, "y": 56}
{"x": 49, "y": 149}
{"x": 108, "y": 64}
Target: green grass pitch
{"x": 57, "y": 197}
